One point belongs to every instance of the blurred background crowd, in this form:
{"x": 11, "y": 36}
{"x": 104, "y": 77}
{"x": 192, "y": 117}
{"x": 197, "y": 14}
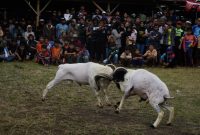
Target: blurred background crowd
{"x": 81, "y": 35}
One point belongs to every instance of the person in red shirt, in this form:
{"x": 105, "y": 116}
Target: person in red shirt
{"x": 44, "y": 56}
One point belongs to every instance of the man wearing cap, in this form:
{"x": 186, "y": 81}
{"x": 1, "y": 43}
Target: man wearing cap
{"x": 40, "y": 28}
{"x": 61, "y": 27}
{"x": 196, "y": 31}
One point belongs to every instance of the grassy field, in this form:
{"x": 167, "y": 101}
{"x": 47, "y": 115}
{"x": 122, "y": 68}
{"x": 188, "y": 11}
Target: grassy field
{"x": 71, "y": 110}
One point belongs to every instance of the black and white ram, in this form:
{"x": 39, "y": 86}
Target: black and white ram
{"x": 147, "y": 86}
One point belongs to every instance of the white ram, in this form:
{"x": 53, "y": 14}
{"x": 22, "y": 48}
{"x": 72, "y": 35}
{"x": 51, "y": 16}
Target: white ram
{"x": 97, "y": 76}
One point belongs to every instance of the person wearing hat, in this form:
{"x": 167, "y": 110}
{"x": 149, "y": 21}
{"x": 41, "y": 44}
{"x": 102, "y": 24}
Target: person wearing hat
{"x": 61, "y": 27}
{"x": 39, "y": 31}
{"x": 29, "y": 30}
{"x": 168, "y": 58}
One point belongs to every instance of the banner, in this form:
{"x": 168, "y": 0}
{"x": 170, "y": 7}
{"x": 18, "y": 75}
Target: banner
{"x": 192, "y": 5}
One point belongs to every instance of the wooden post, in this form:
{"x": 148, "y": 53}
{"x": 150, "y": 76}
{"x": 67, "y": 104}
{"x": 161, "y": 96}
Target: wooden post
{"x": 114, "y": 8}
{"x": 5, "y": 14}
{"x": 108, "y": 7}
{"x": 97, "y": 6}
{"x": 38, "y": 13}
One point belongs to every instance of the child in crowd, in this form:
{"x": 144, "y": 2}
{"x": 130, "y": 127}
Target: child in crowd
{"x": 56, "y": 53}
{"x": 126, "y": 57}
{"x": 188, "y": 43}
{"x": 82, "y": 55}
{"x": 69, "y": 54}
{"x": 150, "y": 56}
{"x": 137, "y": 58}
{"x": 21, "y": 51}
{"x": 31, "y": 47}
{"x": 44, "y": 56}
{"x": 168, "y": 58}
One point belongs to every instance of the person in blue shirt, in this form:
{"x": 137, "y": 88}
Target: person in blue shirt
{"x": 196, "y": 32}
{"x": 61, "y": 27}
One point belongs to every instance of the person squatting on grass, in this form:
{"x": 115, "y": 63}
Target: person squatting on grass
{"x": 168, "y": 58}
{"x": 44, "y": 56}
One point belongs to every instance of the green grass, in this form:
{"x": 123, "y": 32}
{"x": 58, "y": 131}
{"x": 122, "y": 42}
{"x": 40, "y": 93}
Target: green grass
{"x": 72, "y": 110}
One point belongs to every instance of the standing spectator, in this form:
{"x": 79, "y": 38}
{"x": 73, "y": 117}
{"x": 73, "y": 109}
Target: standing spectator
{"x": 82, "y": 31}
{"x": 117, "y": 34}
{"x": 49, "y": 31}
{"x": 196, "y": 31}
{"x": 154, "y": 37}
{"x": 89, "y": 43}
{"x": 61, "y": 27}
{"x": 39, "y": 31}
{"x": 101, "y": 41}
{"x": 169, "y": 35}
{"x": 11, "y": 28}
{"x": 141, "y": 37}
{"x": 188, "y": 43}
{"x": 178, "y": 35}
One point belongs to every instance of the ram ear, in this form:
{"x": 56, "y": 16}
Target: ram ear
{"x": 118, "y": 74}
{"x": 112, "y": 66}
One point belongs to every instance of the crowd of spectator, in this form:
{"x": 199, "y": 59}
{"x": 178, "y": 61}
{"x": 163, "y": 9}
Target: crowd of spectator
{"x": 120, "y": 38}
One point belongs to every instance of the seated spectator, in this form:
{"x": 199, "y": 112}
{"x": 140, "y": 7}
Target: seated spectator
{"x": 39, "y": 45}
{"x": 31, "y": 47}
{"x": 82, "y": 55}
{"x": 150, "y": 56}
{"x": 55, "y": 53}
{"x": 44, "y": 56}
{"x": 126, "y": 57}
{"x": 167, "y": 59}
{"x": 21, "y": 51}
{"x": 112, "y": 51}
{"x": 137, "y": 58}
{"x": 6, "y": 55}
{"x": 69, "y": 54}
